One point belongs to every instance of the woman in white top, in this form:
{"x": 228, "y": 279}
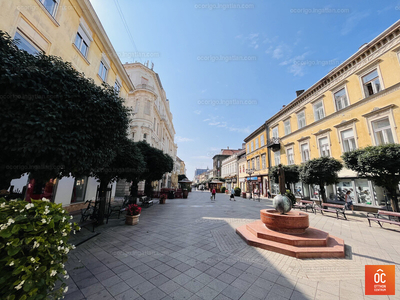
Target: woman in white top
{"x": 349, "y": 201}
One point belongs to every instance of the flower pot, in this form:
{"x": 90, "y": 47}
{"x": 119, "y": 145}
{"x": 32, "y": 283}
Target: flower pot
{"x": 132, "y": 220}
{"x": 162, "y": 200}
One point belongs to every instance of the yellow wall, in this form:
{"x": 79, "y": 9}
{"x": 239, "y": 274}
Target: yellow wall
{"x": 258, "y": 152}
{"x": 56, "y": 36}
{"x": 389, "y": 67}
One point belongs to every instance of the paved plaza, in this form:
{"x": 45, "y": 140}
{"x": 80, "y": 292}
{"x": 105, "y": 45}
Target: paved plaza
{"x": 188, "y": 249}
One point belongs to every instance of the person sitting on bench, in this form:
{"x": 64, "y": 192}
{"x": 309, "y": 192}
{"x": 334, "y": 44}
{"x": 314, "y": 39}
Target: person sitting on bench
{"x": 232, "y": 195}
{"x": 349, "y": 201}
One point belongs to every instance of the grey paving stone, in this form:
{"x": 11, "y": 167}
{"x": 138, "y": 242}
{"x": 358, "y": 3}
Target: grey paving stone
{"x": 234, "y": 271}
{"x": 105, "y": 275}
{"x": 76, "y": 295}
{"x": 119, "y": 269}
{"x": 214, "y": 272}
{"x": 241, "y": 284}
{"x": 118, "y": 288}
{"x": 154, "y": 294}
{"x": 169, "y": 286}
{"x": 101, "y": 295}
{"x": 159, "y": 280}
{"x": 129, "y": 294}
{"x": 217, "y": 285}
{"x": 207, "y": 293}
{"x": 248, "y": 296}
{"x": 205, "y": 278}
{"x": 149, "y": 274}
{"x": 135, "y": 280}
{"x": 193, "y": 272}
{"x": 162, "y": 268}
{"x": 86, "y": 282}
{"x": 281, "y": 290}
{"x": 144, "y": 287}
{"x": 141, "y": 268}
{"x": 171, "y": 273}
{"x": 111, "y": 281}
{"x": 87, "y": 291}
{"x": 182, "y": 279}
{"x": 181, "y": 293}
{"x": 227, "y": 278}
{"x": 258, "y": 292}
{"x": 193, "y": 285}
{"x": 232, "y": 292}
{"x": 300, "y": 296}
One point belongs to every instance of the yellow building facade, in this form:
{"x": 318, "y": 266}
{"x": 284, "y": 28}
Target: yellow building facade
{"x": 353, "y": 106}
{"x": 71, "y": 30}
{"x": 256, "y": 161}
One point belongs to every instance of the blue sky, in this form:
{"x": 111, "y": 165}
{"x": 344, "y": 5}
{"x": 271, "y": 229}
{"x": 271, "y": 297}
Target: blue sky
{"x": 227, "y": 69}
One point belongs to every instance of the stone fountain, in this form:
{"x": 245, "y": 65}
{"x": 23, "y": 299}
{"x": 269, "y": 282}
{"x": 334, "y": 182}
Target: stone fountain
{"x": 287, "y": 232}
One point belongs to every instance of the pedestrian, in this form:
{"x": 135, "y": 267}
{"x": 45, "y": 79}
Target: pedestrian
{"x": 349, "y": 201}
{"x": 213, "y": 193}
{"x": 232, "y": 195}
{"x": 269, "y": 194}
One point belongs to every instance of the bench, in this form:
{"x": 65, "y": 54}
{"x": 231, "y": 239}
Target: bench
{"x": 380, "y": 217}
{"x": 333, "y": 208}
{"x": 89, "y": 215}
{"x": 146, "y": 202}
{"x": 306, "y": 204}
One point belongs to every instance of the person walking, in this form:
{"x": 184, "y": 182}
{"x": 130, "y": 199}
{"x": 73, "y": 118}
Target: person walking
{"x": 232, "y": 195}
{"x": 269, "y": 194}
{"x": 213, "y": 194}
{"x": 349, "y": 201}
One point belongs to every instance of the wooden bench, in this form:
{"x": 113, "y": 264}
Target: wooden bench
{"x": 384, "y": 216}
{"x": 333, "y": 208}
{"x": 146, "y": 202}
{"x": 306, "y": 204}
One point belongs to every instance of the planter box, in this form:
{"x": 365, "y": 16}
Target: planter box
{"x": 132, "y": 220}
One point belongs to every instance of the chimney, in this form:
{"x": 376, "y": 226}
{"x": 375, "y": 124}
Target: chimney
{"x": 243, "y": 145}
{"x": 363, "y": 46}
{"x": 299, "y": 92}
{"x": 228, "y": 147}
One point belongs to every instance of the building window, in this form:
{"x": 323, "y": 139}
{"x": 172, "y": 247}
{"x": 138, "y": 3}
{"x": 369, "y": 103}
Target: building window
{"x": 82, "y": 41}
{"x": 103, "y": 70}
{"x": 252, "y": 163}
{"x": 248, "y": 164}
{"x": 319, "y": 110}
{"x": 287, "y": 127}
{"x": 275, "y": 132}
{"x": 348, "y": 140}
{"x": 301, "y": 119}
{"x": 324, "y": 146}
{"x": 290, "y": 156}
{"x": 258, "y": 162}
{"x": 251, "y": 146}
{"x": 145, "y": 136}
{"x": 117, "y": 87}
{"x": 50, "y": 5}
{"x": 263, "y": 161}
{"x": 133, "y": 136}
{"x": 147, "y": 108}
{"x": 23, "y": 43}
{"x": 262, "y": 140}
{"x": 277, "y": 157}
{"x": 341, "y": 100}
{"x": 371, "y": 83}
{"x": 256, "y": 143}
{"x": 382, "y": 132}
{"x": 305, "y": 152}
{"x": 248, "y": 148}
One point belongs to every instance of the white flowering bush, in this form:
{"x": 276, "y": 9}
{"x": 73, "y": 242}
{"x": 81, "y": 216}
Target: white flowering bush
{"x": 33, "y": 249}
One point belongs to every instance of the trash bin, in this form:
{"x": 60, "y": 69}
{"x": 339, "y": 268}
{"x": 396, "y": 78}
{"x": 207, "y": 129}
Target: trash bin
{"x": 171, "y": 195}
{"x": 243, "y": 194}
{"x": 185, "y": 193}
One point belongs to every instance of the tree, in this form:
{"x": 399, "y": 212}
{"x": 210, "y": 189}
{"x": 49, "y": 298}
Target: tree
{"x": 54, "y": 121}
{"x": 321, "y": 171}
{"x": 291, "y": 174}
{"x": 181, "y": 177}
{"x": 379, "y": 163}
{"x": 157, "y": 164}
{"x": 128, "y": 164}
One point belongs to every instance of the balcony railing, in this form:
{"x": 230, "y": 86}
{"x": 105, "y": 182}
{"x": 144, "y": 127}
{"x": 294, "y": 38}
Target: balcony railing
{"x": 274, "y": 143}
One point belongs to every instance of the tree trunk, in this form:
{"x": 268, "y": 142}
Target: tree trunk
{"x": 134, "y": 189}
{"x": 148, "y": 189}
{"x": 393, "y": 200}
{"x": 288, "y": 186}
{"x": 102, "y": 198}
{"x": 322, "y": 193}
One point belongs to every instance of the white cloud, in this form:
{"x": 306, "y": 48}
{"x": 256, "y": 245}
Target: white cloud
{"x": 213, "y": 123}
{"x": 252, "y": 39}
{"x": 205, "y": 120}
{"x": 180, "y": 139}
{"x": 197, "y": 112}
{"x": 353, "y": 21}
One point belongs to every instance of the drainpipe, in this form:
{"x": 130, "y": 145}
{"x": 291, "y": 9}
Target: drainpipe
{"x": 269, "y": 156}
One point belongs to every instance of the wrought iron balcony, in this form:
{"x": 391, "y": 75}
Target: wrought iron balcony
{"x": 274, "y": 144}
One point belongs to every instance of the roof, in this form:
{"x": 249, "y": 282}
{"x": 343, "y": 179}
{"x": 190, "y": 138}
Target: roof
{"x": 255, "y": 133}
{"x": 229, "y": 151}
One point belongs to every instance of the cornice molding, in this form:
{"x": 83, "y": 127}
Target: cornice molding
{"x": 378, "y": 110}
{"x": 345, "y": 123}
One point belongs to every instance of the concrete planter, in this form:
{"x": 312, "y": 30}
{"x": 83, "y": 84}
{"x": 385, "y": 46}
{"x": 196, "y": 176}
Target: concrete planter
{"x": 132, "y": 220}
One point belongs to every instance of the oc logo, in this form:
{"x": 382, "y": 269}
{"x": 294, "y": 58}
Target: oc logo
{"x": 378, "y": 277}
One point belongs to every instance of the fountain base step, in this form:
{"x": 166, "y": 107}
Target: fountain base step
{"x": 313, "y": 243}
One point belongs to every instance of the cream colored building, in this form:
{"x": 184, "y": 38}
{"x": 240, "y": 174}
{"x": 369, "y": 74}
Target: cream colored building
{"x": 71, "y": 30}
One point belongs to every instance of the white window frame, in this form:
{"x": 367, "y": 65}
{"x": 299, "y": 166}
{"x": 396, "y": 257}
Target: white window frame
{"x": 303, "y": 158}
{"x": 286, "y": 127}
{"x": 251, "y": 146}
{"x": 53, "y": 13}
{"x": 366, "y": 72}
{"x": 262, "y": 140}
{"x": 103, "y": 66}
{"x": 275, "y": 132}
{"x": 277, "y": 157}
{"x": 258, "y": 163}
{"x": 28, "y": 40}
{"x": 338, "y": 89}
{"x": 382, "y": 130}
{"x": 328, "y": 145}
{"x": 342, "y": 141}
{"x": 85, "y": 37}
{"x": 264, "y": 161}
{"x": 317, "y": 116}
{"x": 257, "y": 143}
{"x": 378, "y": 115}
{"x": 117, "y": 86}
{"x": 248, "y": 147}
{"x": 298, "y": 119}
{"x": 290, "y": 157}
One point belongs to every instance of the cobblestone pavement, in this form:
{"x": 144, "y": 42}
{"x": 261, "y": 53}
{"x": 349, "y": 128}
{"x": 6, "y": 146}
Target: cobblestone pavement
{"x": 188, "y": 249}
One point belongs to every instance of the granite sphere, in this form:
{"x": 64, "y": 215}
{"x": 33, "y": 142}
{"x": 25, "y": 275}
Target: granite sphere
{"x": 282, "y": 204}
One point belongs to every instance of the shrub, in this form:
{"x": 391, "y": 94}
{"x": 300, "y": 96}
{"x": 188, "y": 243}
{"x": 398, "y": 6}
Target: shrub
{"x": 290, "y": 195}
{"x": 238, "y": 190}
{"x": 33, "y": 249}
{"x": 134, "y": 209}
{"x": 223, "y": 189}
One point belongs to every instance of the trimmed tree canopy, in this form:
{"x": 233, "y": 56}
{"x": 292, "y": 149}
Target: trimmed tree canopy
{"x": 321, "y": 171}
{"x": 379, "y": 163}
{"x": 291, "y": 173}
{"x": 54, "y": 120}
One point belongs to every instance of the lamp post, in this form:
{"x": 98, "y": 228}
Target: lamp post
{"x": 250, "y": 172}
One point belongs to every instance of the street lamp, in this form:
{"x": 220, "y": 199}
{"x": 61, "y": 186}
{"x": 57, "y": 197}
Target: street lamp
{"x": 250, "y": 172}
